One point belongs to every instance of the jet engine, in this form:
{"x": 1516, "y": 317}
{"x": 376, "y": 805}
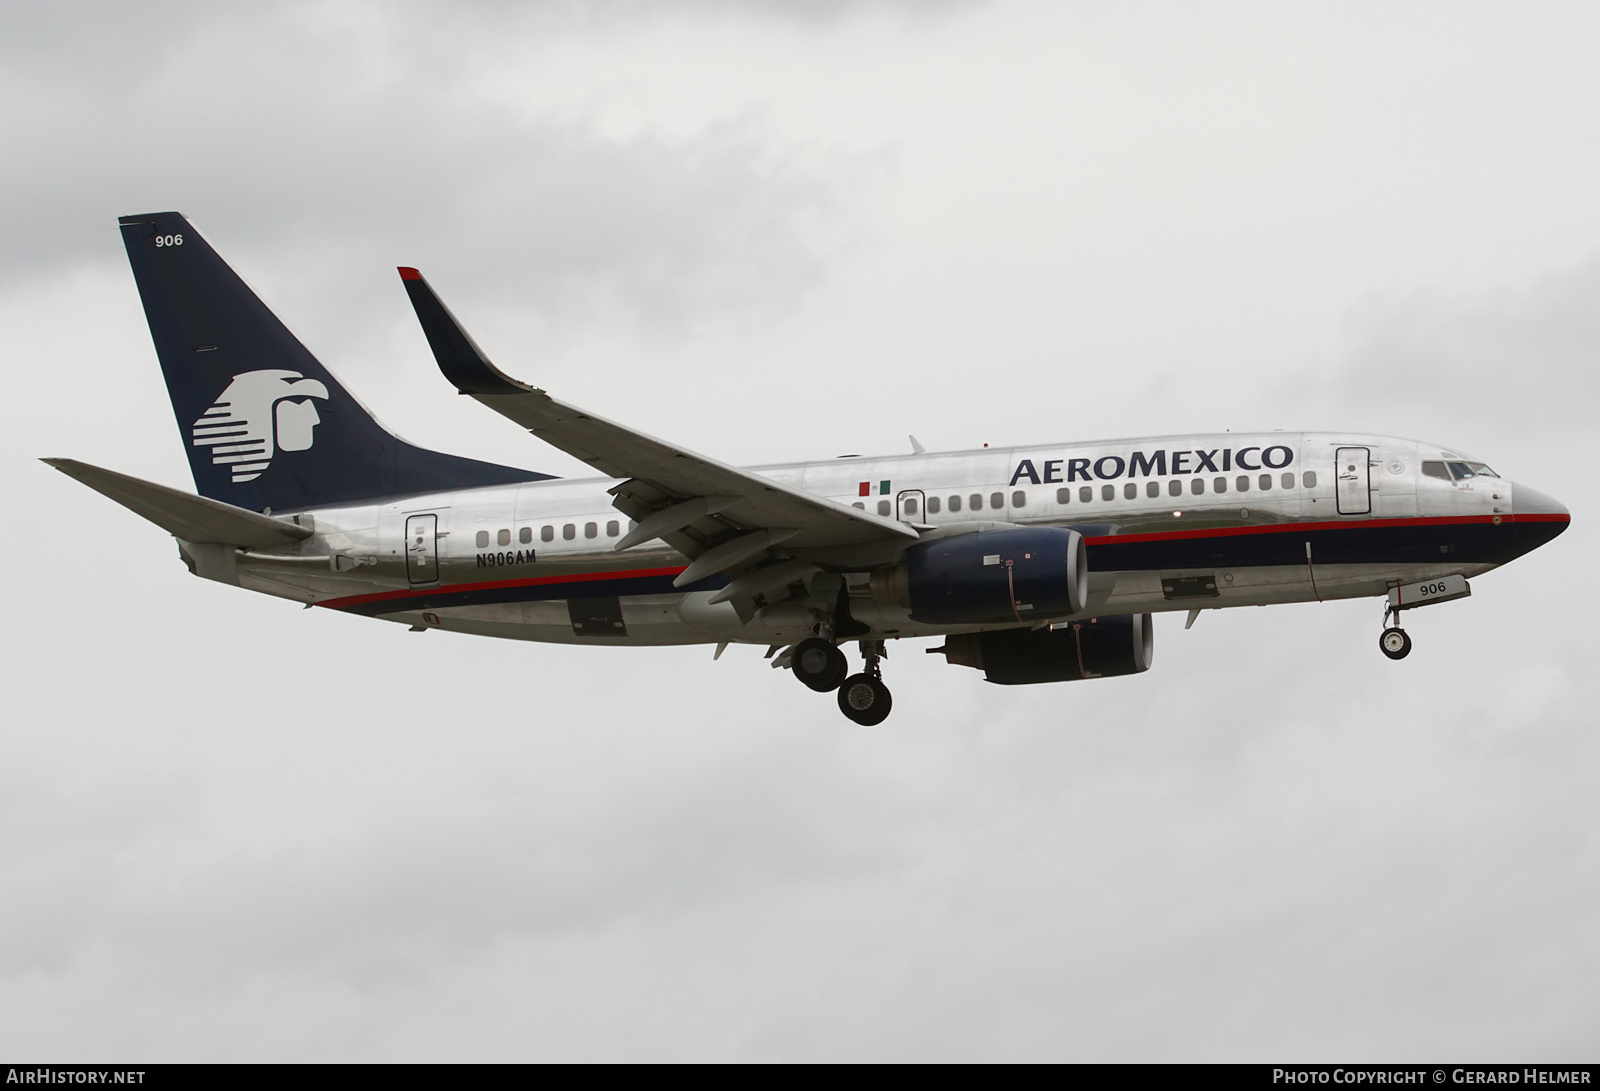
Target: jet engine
{"x": 989, "y": 576}
{"x": 1098, "y": 648}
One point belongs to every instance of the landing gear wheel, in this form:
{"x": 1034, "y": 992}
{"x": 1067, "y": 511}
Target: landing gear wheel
{"x": 865, "y": 700}
{"x": 1395, "y": 643}
{"x": 818, "y": 664}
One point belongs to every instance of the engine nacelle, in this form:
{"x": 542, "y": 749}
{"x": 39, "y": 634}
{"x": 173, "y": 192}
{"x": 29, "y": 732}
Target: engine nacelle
{"x": 1099, "y": 648}
{"x": 991, "y": 576}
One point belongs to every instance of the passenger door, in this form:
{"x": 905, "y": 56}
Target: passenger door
{"x": 1353, "y": 484}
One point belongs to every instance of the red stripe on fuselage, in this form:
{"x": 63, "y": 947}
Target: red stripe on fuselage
{"x": 535, "y": 581}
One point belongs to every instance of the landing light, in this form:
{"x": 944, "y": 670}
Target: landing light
{"x": 1177, "y": 515}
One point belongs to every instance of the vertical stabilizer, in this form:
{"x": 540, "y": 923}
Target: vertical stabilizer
{"x": 264, "y": 423}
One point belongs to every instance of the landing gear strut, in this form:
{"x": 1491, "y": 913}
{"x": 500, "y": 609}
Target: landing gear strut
{"x": 863, "y": 697}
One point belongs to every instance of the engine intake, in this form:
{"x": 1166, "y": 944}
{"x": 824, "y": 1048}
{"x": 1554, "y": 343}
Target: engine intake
{"x": 989, "y": 576}
{"x": 1098, "y": 648}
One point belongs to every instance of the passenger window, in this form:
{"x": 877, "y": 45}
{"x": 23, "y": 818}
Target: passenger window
{"x": 1219, "y": 485}
{"x": 997, "y": 500}
{"x": 1019, "y": 499}
{"x": 1242, "y": 483}
{"x": 1309, "y": 479}
{"x": 1265, "y": 482}
{"x": 883, "y": 507}
{"x": 975, "y": 502}
{"x": 1174, "y": 487}
{"x": 1085, "y": 494}
{"x": 569, "y": 532}
{"x": 933, "y": 505}
{"x": 1108, "y": 492}
{"x": 1152, "y": 489}
{"x": 612, "y": 529}
{"x": 955, "y": 503}
{"x": 547, "y": 534}
{"x": 503, "y": 537}
{"x": 911, "y": 505}
{"x": 1196, "y": 486}
{"x": 590, "y": 530}
{"x": 525, "y": 535}
{"x": 483, "y": 539}
{"x": 1063, "y": 496}
{"x": 1130, "y": 491}
{"x": 1288, "y": 481}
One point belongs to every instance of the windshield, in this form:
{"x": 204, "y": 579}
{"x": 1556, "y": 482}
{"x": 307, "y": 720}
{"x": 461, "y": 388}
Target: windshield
{"x": 1464, "y": 470}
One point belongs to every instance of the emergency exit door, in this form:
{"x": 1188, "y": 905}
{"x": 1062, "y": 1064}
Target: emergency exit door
{"x": 910, "y": 506}
{"x": 422, "y": 548}
{"x": 1353, "y": 483}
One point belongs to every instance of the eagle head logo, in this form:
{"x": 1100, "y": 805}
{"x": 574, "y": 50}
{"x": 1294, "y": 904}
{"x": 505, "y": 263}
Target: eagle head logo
{"x": 260, "y": 413}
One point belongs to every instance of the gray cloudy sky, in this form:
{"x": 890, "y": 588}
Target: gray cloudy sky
{"x": 236, "y": 830}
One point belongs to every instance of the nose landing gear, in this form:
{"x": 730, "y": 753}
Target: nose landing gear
{"x": 1395, "y": 643}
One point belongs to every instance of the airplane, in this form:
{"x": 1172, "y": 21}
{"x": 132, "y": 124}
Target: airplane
{"x": 1033, "y": 564}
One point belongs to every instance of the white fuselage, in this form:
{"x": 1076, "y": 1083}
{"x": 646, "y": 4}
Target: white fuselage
{"x": 1172, "y": 523}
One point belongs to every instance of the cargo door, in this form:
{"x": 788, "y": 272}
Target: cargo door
{"x": 1352, "y": 481}
{"x": 422, "y": 548}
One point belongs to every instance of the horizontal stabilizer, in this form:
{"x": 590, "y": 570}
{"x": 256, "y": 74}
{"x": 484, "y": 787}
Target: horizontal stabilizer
{"x": 181, "y": 514}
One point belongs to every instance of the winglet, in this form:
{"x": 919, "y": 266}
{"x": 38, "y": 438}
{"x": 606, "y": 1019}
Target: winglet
{"x": 458, "y": 355}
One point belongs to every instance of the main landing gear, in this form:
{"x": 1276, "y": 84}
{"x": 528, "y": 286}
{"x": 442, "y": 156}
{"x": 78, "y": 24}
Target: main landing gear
{"x": 863, "y": 697}
{"x": 820, "y": 665}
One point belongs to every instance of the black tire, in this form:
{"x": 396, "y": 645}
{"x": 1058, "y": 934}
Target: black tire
{"x": 865, "y": 700}
{"x": 818, "y": 664}
{"x": 1395, "y": 643}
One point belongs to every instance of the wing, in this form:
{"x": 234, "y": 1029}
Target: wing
{"x": 721, "y": 516}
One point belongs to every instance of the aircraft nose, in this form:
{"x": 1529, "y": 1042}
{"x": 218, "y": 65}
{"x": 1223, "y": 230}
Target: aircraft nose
{"x": 1526, "y": 501}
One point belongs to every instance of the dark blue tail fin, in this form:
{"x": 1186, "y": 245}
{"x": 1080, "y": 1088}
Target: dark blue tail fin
{"x": 265, "y": 424}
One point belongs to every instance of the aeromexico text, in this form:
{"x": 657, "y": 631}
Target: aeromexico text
{"x": 1161, "y": 463}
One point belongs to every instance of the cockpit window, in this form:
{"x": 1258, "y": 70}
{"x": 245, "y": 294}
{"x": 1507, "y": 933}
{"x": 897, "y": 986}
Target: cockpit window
{"x": 1435, "y": 469}
{"x": 1465, "y": 470}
